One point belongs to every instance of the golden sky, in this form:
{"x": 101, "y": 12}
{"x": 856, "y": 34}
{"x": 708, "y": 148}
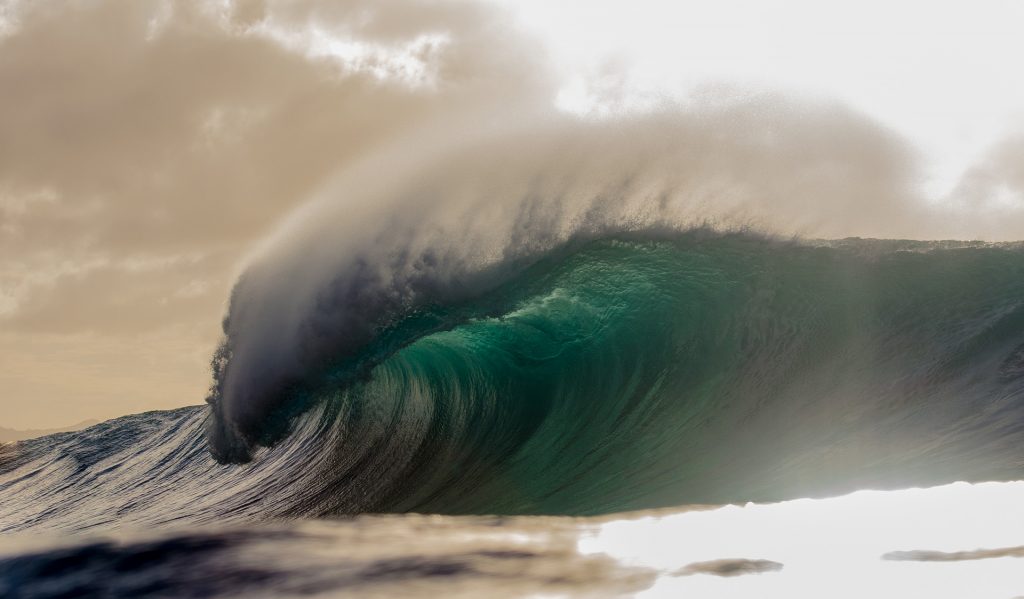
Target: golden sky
{"x": 147, "y": 146}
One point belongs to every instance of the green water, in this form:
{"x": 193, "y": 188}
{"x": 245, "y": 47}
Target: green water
{"x": 633, "y": 374}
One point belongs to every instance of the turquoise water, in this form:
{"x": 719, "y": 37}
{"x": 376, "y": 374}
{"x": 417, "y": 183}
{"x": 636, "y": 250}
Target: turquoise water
{"x": 628, "y": 374}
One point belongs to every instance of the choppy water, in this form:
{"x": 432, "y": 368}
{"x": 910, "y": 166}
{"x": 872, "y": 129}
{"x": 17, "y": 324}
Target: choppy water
{"x": 954, "y": 541}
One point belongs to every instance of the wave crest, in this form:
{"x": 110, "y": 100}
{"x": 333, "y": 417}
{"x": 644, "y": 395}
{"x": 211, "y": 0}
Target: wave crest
{"x": 426, "y": 225}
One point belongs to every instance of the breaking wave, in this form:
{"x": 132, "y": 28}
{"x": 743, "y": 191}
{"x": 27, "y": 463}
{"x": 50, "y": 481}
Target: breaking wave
{"x": 619, "y": 374}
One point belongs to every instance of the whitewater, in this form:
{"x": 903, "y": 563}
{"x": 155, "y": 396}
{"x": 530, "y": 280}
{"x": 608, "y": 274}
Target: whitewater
{"x": 583, "y": 359}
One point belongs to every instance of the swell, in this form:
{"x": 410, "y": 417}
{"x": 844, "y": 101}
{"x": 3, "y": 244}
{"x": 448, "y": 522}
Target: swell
{"x": 699, "y": 368}
{"x": 619, "y": 374}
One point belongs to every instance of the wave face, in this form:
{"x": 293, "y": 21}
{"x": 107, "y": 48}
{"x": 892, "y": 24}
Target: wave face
{"x": 619, "y": 374}
{"x": 699, "y": 369}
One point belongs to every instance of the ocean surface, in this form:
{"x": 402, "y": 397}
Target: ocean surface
{"x": 624, "y": 416}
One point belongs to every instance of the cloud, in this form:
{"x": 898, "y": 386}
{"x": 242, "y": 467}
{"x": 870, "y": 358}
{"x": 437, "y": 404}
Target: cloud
{"x": 154, "y": 127}
{"x": 955, "y": 556}
{"x": 731, "y": 567}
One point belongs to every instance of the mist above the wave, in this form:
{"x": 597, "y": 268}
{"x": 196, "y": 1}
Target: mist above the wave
{"x": 460, "y": 201}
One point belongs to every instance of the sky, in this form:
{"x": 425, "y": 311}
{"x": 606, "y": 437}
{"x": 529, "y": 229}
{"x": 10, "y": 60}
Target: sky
{"x": 148, "y": 147}
{"x": 939, "y": 72}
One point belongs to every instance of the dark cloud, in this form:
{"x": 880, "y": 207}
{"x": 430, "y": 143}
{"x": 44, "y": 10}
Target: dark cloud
{"x": 731, "y": 567}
